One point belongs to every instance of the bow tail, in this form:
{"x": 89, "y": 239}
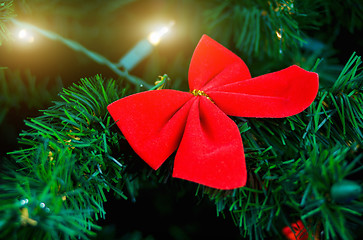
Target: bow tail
{"x": 152, "y": 122}
{"x": 211, "y": 150}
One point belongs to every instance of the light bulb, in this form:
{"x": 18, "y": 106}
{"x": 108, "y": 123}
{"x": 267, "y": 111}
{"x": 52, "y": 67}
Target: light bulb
{"x": 25, "y": 36}
{"x": 155, "y": 37}
{"x": 143, "y": 48}
{"x": 22, "y": 33}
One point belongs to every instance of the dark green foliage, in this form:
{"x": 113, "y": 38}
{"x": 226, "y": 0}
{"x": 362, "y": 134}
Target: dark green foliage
{"x": 49, "y": 186}
{"x": 337, "y": 13}
{"x": 294, "y": 162}
{"x": 66, "y": 164}
{"x": 24, "y": 90}
{"x": 279, "y": 28}
{"x": 74, "y": 155}
{"x": 322, "y": 171}
{"x": 259, "y": 27}
{"x": 21, "y": 94}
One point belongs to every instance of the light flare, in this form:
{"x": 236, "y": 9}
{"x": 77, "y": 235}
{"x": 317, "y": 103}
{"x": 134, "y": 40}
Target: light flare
{"x": 155, "y": 37}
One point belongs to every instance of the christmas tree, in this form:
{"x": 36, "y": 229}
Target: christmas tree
{"x": 68, "y": 172}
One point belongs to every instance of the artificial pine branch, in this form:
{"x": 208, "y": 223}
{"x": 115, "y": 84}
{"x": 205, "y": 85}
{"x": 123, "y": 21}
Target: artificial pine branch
{"x": 294, "y": 163}
{"x": 73, "y": 153}
{"x": 24, "y": 89}
{"x": 338, "y": 13}
{"x": 272, "y": 28}
{"x": 64, "y": 167}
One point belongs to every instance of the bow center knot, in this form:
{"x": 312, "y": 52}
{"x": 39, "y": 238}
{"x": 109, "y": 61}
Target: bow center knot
{"x": 197, "y": 92}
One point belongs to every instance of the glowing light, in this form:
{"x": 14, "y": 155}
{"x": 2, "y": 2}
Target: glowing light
{"x": 278, "y": 34}
{"x": 155, "y": 37}
{"x": 143, "y": 49}
{"x": 26, "y": 36}
{"x": 31, "y": 39}
{"x": 22, "y": 33}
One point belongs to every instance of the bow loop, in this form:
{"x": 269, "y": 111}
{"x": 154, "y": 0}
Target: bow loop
{"x": 214, "y": 65}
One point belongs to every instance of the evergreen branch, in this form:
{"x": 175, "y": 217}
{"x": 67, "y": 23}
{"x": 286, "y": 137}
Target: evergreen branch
{"x": 295, "y": 162}
{"x": 23, "y": 89}
{"x": 274, "y": 27}
{"x": 68, "y": 159}
{"x": 79, "y": 48}
{"x": 54, "y": 206}
{"x": 322, "y": 171}
{"x": 338, "y": 13}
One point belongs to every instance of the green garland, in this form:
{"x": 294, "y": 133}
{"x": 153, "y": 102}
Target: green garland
{"x": 54, "y": 187}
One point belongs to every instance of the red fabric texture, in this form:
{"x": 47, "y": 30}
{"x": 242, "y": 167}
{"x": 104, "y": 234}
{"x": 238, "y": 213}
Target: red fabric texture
{"x": 208, "y": 143}
{"x": 299, "y": 232}
{"x": 211, "y": 151}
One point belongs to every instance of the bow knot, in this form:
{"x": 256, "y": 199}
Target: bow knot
{"x": 196, "y": 92}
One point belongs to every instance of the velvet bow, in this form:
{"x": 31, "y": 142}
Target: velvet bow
{"x": 208, "y": 143}
{"x": 296, "y": 231}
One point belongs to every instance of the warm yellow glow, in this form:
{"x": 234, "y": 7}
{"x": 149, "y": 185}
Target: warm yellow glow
{"x": 31, "y": 39}
{"x": 155, "y": 37}
{"x": 25, "y": 36}
{"x": 22, "y": 33}
{"x": 278, "y": 34}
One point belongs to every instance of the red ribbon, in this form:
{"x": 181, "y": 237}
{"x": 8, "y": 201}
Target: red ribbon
{"x": 208, "y": 143}
{"x": 296, "y": 231}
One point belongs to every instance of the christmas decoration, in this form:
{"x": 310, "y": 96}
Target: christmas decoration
{"x": 210, "y": 150}
{"x": 296, "y": 231}
{"x": 25, "y": 36}
{"x": 71, "y": 174}
{"x": 143, "y": 48}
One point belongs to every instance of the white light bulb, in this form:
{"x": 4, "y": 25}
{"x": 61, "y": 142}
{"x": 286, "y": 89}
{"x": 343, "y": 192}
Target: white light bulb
{"x": 22, "y": 34}
{"x": 155, "y": 37}
{"x": 26, "y": 36}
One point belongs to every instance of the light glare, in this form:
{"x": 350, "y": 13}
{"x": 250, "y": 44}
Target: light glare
{"x": 22, "y": 34}
{"x": 155, "y": 37}
{"x": 25, "y": 36}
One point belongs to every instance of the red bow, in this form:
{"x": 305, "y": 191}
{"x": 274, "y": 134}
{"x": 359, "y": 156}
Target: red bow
{"x": 299, "y": 232}
{"x": 210, "y": 150}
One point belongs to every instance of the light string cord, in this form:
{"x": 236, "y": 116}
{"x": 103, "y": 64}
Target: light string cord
{"x": 79, "y": 48}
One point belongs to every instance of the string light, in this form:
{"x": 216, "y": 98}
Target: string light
{"x": 143, "y": 48}
{"x": 155, "y": 37}
{"x": 22, "y": 33}
{"x": 279, "y": 33}
{"x": 25, "y": 36}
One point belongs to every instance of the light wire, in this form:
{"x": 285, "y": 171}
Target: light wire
{"x": 79, "y": 48}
